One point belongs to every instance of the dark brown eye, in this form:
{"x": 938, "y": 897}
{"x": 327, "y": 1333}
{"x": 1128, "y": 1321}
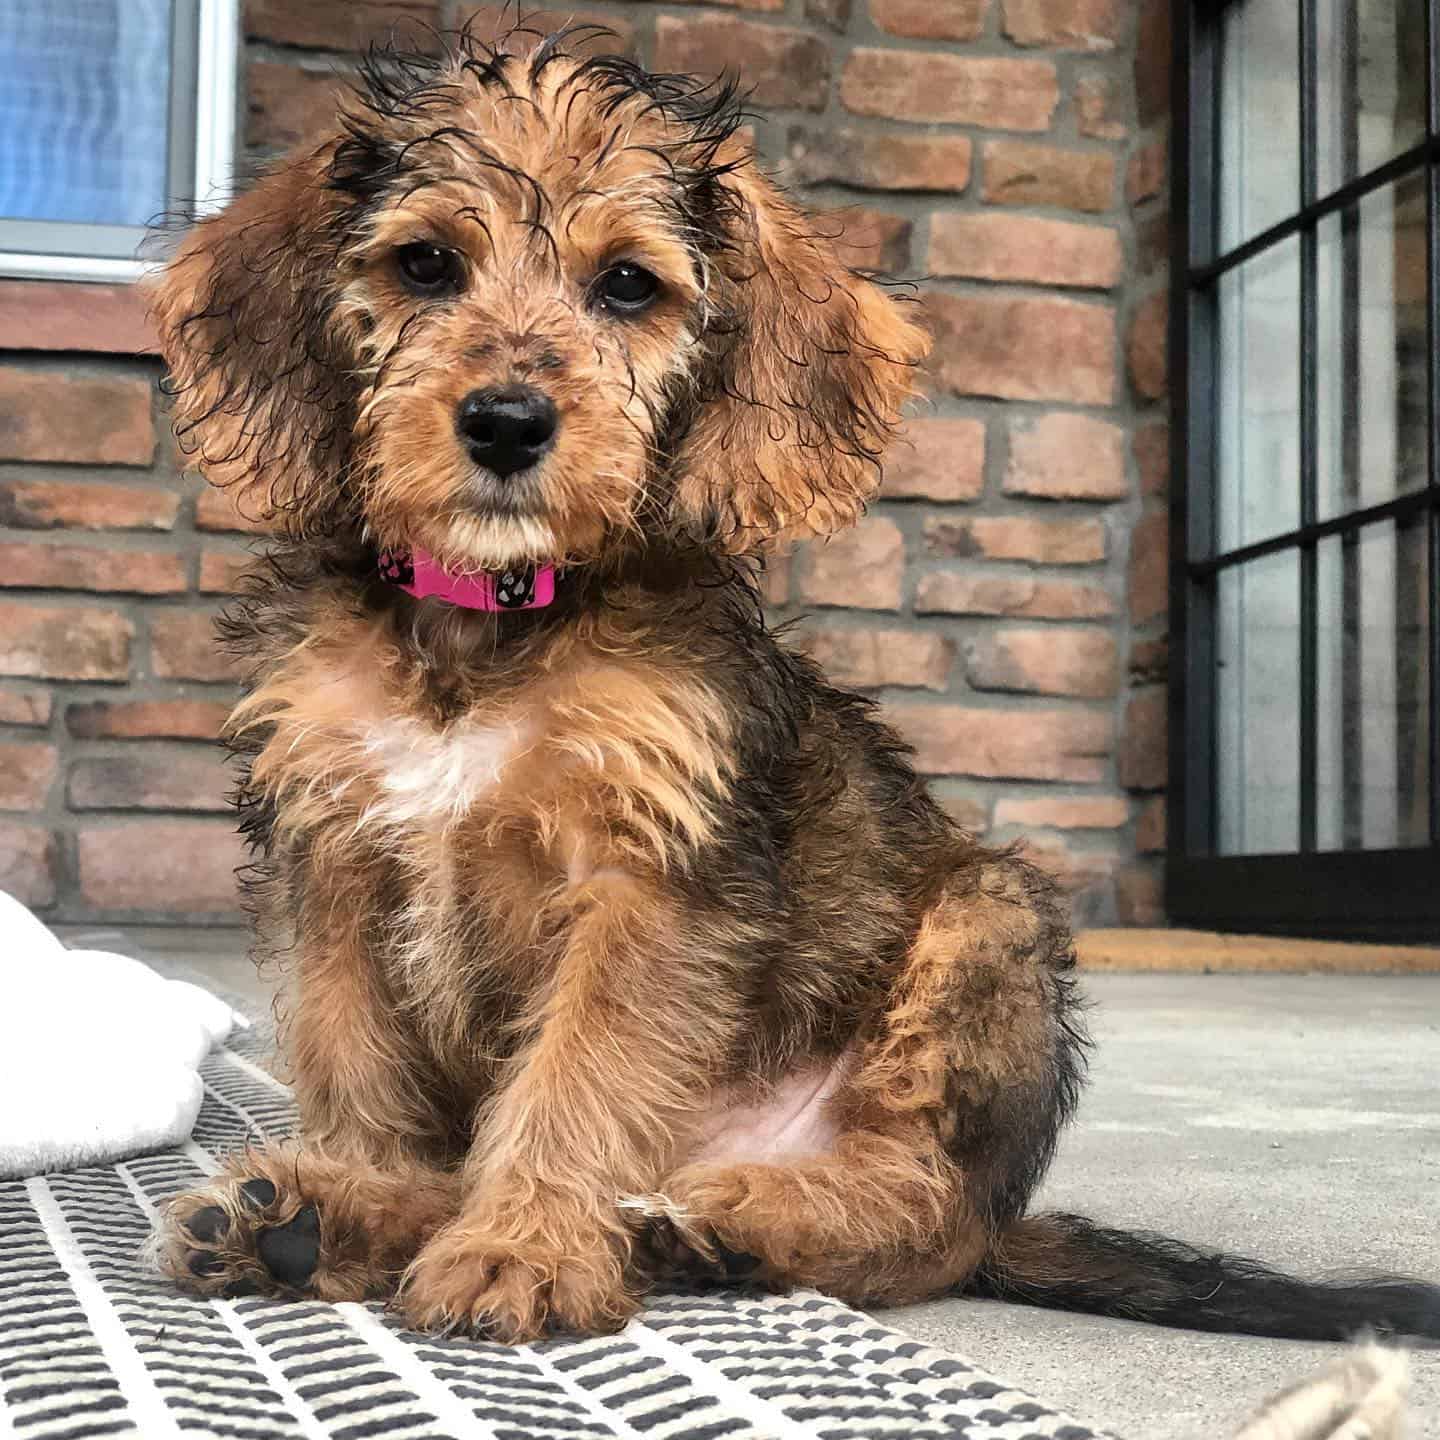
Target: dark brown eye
{"x": 626, "y": 289}
{"x": 427, "y": 269}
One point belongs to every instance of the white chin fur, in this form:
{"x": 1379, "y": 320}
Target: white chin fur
{"x": 485, "y": 542}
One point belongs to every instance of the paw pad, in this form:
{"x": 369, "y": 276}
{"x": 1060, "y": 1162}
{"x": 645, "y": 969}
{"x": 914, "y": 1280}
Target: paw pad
{"x": 291, "y": 1252}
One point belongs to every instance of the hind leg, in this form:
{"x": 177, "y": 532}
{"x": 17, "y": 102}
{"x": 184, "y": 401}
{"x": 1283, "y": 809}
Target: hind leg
{"x": 945, "y": 1123}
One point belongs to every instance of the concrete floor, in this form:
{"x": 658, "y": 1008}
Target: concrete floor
{"x": 1293, "y": 1118}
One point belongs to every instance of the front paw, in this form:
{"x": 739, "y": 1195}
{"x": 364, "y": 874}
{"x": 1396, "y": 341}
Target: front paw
{"x": 239, "y": 1237}
{"x": 475, "y": 1280}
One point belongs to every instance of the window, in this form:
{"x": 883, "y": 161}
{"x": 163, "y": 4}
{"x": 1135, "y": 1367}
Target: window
{"x": 1305, "y": 705}
{"x": 112, "y": 113}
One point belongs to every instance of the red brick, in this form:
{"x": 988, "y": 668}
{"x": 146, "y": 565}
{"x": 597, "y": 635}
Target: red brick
{"x": 1025, "y": 248}
{"x": 27, "y": 864}
{"x": 867, "y": 239}
{"x": 867, "y": 659}
{"x": 1017, "y": 172}
{"x": 1071, "y": 745}
{"x": 1140, "y": 894}
{"x": 49, "y": 642}
{"x": 1064, "y": 812}
{"x": 493, "y": 21}
{"x": 26, "y": 771}
{"x": 1063, "y": 24}
{"x": 1151, "y": 445}
{"x": 60, "y": 315}
{"x": 285, "y": 104}
{"x": 1145, "y": 174}
{"x": 1144, "y": 759}
{"x": 69, "y": 504}
{"x": 1150, "y": 826}
{"x": 127, "y": 719}
{"x": 968, "y": 811}
{"x": 144, "y": 778}
{"x": 25, "y": 707}
{"x": 1079, "y": 661}
{"x": 25, "y": 565}
{"x": 998, "y": 94}
{"x": 937, "y": 460}
{"x": 771, "y": 5}
{"x": 1066, "y": 457}
{"x": 775, "y": 580}
{"x": 220, "y": 510}
{"x": 1099, "y": 108}
{"x": 869, "y": 161}
{"x": 931, "y": 19}
{"x": 220, "y": 571}
{"x": 184, "y": 646}
{"x": 782, "y": 67}
{"x": 1079, "y": 871}
{"x": 1024, "y": 348}
{"x": 1150, "y": 660}
{"x": 1145, "y": 350}
{"x": 1016, "y": 537}
{"x": 862, "y": 568}
{"x": 180, "y": 867}
{"x": 54, "y": 415}
{"x": 1149, "y": 579}
{"x": 1153, "y": 238}
{"x": 343, "y": 24}
{"x": 1152, "y": 61}
{"x": 834, "y": 13}
{"x": 1024, "y": 597}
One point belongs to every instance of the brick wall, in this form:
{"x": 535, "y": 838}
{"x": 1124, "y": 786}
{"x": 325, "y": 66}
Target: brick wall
{"x": 1005, "y": 597}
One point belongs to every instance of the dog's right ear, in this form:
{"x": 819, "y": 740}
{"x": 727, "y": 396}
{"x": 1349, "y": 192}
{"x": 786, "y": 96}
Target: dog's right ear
{"x": 262, "y": 377}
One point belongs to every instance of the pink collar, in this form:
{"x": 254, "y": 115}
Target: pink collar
{"x": 419, "y": 574}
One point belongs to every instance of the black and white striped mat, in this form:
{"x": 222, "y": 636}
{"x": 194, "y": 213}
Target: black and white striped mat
{"x": 92, "y": 1344}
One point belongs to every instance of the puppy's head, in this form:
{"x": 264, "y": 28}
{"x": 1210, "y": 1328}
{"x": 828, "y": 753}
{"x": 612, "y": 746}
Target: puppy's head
{"x": 529, "y": 308}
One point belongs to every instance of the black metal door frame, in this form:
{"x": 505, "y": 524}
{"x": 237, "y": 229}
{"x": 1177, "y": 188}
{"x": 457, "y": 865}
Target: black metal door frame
{"x": 1389, "y": 893}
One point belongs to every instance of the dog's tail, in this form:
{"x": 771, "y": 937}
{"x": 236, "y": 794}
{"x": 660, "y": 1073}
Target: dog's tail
{"x": 1064, "y": 1262}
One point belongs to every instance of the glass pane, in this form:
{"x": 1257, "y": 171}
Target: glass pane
{"x": 1371, "y": 82}
{"x": 1257, "y": 707}
{"x": 1373, "y": 676}
{"x": 84, "y": 110}
{"x": 1373, "y": 407}
{"x": 1258, "y": 451}
{"x": 1259, "y": 65}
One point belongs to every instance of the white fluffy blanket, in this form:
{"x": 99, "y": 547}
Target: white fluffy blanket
{"x": 99, "y": 1055}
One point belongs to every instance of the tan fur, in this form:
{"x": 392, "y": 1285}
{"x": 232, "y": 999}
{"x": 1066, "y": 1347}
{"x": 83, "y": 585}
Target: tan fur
{"x": 559, "y": 888}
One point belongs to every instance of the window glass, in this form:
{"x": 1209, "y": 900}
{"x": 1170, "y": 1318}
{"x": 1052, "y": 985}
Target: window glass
{"x": 1370, "y": 75}
{"x": 84, "y": 110}
{"x": 1371, "y": 361}
{"x": 1257, "y": 703}
{"x": 1259, "y": 79}
{"x": 1259, "y": 398}
{"x": 1372, "y": 692}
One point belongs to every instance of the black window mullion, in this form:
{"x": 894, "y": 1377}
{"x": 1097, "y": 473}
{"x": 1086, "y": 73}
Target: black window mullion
{"x": 1309, "y": 425}
{"x": 1432, "y": 337}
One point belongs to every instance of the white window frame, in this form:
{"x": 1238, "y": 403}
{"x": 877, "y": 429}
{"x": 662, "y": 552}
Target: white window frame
{"x": 217, "y": 36}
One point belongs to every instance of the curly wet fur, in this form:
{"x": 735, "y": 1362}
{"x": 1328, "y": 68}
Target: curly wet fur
{"x": 558, "y": 888}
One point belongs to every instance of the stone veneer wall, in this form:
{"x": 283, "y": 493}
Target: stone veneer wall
{"x": 1005, "y": 597}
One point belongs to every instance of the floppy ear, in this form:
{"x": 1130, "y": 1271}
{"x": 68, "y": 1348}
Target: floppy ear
{"x": 260, "y": 375}
{"x": 810, "y": 366}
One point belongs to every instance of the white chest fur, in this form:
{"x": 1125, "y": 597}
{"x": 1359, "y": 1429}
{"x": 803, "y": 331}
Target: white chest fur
{"x": 426, "y": 777}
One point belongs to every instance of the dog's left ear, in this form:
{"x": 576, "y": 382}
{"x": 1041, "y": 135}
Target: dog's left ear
{"x": 259, "y": 370}
{"x": 809, "y": 367}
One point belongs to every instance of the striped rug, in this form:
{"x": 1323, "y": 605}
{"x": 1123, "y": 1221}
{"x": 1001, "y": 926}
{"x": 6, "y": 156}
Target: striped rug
{"x": 91, "y": 1344}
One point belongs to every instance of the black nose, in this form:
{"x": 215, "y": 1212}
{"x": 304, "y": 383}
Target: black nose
{"x": 507, "y": 430}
